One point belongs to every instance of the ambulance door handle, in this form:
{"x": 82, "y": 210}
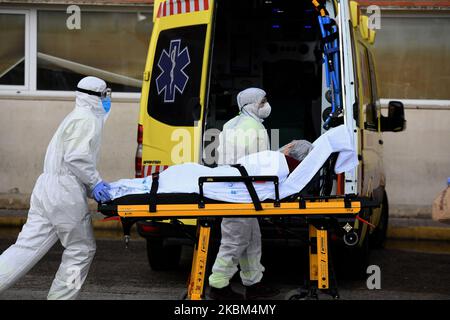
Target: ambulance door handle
{"x": 146, "y": 75}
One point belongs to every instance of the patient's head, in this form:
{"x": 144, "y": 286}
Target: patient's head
{"x": 297, "y": 149}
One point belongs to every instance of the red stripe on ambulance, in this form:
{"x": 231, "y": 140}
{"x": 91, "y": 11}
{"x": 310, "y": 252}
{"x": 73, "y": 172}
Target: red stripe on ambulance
{"x": 173, "y": 7}
{"x": 159, "y": 11}
{"x": 149, "y": 170}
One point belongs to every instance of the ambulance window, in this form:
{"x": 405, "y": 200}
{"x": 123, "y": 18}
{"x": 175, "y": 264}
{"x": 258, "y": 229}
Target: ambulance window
{"x": 365, "y": 74}
{"x": 367, "y": 98}
{"x": 376, "y": 107}
{"x": 373, "y": 79}
{"x": 174, "y": 96}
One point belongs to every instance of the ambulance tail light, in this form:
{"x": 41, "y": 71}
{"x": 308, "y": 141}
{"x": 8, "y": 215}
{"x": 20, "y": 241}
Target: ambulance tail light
{"x": 138, "y": 158}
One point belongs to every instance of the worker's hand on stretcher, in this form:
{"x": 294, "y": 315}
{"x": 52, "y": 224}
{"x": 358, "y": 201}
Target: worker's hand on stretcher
{"x": 101, "y": 193}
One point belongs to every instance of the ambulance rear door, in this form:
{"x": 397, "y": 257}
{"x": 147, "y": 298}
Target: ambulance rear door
{"x": 175, "y": 86}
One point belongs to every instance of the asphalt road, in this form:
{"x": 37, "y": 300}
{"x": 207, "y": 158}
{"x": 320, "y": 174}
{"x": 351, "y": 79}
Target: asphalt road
{"x": 409, "y": 270}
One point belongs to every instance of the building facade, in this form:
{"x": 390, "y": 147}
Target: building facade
{"x": 47, "y": 46}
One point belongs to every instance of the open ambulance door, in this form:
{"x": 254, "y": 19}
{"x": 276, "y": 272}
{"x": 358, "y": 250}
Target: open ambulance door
{"x": 348, "y": 87}
{"x": 175, "y": 85}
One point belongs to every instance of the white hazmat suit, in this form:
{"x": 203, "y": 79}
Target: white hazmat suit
{"x": 58, "y": 207}
{"x": 241, "y": 237}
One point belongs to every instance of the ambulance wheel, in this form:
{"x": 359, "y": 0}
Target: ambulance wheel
{"x": 162, "y": 257}
{"x": 379, "y": 235}
{"x": 352, "y": 262}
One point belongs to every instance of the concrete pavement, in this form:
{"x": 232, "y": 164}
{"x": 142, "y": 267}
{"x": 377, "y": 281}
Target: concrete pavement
{"x": 123, "y": 274}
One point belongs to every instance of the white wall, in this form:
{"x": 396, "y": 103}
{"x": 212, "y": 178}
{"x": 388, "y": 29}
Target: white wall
{"x": 26, "y": 127}
{"x": 417, "y": 161}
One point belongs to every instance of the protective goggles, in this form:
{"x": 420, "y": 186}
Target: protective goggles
{"x": 260, "y": 104}
{"x": 102, "y": 95}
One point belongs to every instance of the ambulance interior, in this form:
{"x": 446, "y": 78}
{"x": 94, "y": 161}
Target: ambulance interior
{"x": 274, "y": 45}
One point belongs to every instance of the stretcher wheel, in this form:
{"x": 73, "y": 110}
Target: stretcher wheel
{"x": 184, "y": 295}
{"x": 301, "y": 294}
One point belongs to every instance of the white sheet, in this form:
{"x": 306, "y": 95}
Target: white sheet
{"x": 184, "y": 178}
{"x": 337, "y": 139}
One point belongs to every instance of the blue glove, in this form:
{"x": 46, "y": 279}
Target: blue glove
{"x": 101, "y": 193}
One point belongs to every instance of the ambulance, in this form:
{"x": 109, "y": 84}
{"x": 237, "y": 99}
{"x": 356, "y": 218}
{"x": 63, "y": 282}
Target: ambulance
{"x": 314, "y": 60}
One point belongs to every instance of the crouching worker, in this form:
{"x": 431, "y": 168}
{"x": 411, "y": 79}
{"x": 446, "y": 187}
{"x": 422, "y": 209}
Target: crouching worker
{"x": 58, "y": 207}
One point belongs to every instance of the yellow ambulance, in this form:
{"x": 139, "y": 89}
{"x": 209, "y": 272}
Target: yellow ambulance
{"x": 203, "y": 52}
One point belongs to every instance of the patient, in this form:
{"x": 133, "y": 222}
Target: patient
{"x": 183, "y": 178}
{"x": 295, "y": 165}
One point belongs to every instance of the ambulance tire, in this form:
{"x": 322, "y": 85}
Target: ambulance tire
{"x": 352, "y": 262}
{"x": 162, "y": 257}
{"x": 379, "y": 235}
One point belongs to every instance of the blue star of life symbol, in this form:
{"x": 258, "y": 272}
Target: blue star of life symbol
{"x": 172, "y": 77}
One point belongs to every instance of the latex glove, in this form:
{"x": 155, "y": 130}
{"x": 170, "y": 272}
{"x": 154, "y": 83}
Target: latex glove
{"x": 101, "y": 193}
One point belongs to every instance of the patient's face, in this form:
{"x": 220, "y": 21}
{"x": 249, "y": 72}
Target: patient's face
{"x": 286, "y": 149}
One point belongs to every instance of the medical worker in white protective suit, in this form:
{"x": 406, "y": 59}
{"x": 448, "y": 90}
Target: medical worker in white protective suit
{"x": 58, "y": 207}
{"x": 241, "y": 237}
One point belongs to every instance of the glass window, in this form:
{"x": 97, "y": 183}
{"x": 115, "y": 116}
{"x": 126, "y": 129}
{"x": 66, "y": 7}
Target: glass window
{"x": 367, "y": 98}
{"x": 174, "y": 96}
{"x": 12, "y": 49}
{"x": 110, "y": 45}
{"x": 412, "y": 51}
{"x": 365, "y": 74}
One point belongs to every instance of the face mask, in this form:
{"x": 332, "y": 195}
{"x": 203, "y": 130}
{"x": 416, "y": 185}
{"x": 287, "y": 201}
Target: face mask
{"x": 106, "y": 104}
{"x": 264, "y": 111}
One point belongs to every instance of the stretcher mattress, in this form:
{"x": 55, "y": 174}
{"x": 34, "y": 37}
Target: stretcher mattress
{"x": 161, "y": 198}
{"x": 110, "y": 208}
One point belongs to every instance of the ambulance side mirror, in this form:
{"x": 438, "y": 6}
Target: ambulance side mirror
{"x": 395, "y": 121}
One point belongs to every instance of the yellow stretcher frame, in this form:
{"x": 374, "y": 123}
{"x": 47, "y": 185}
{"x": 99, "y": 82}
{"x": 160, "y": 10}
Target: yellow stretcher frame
{"x": 331, "y": 206}
{"x": 313, "y": 208}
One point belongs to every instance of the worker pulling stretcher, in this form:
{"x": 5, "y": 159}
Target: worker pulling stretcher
{"x": 184, "y": 178}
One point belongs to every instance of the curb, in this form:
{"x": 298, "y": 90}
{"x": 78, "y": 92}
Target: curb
{"x": 419, "y": 233}
{"x": 404, "y": 233}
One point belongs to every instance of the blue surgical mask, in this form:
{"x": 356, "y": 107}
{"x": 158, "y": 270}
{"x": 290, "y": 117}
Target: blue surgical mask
{"x": 106, "y": 103}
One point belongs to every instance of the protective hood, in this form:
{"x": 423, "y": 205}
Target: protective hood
{"x": 250, "y": 95}
{"x": 249, "y": 103}
{"x": 91, "y": 102}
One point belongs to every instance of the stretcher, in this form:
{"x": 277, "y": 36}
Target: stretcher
{"x": 319, "y": 212}
{"x": 330, "y": 46}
